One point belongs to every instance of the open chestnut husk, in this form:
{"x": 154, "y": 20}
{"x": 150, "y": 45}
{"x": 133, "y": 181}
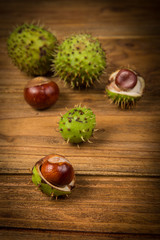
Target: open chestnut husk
{"x": 54, "y": 175}
{"x": 125, "y": 88}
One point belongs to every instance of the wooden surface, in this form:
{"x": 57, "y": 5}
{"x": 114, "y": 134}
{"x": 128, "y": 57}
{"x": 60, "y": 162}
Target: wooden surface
{"x": 117, "y": 194}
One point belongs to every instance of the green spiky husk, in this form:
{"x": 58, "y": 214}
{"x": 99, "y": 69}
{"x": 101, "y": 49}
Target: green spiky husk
{"x": 80, "y": 60}
{"x": 123, "y": 101}
{"x": 44, "y": 187}
{"x": 30, "y": 47}
{"x": 77, "y": 125}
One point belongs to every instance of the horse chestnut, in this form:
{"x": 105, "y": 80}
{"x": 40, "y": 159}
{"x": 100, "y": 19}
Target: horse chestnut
{"x": 54, "y": 175}
{"x": 57, "y": 170}
{"x": 126, "y": 79}
{"x": 41, "y": 93}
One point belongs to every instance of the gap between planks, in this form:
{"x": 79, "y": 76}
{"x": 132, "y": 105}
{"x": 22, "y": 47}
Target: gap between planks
{"x": 90, "y": 173}
{"x": 65, "y": 235}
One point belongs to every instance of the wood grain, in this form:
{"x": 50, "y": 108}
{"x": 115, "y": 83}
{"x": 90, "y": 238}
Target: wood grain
{"x": 118, "y": 176}
{"x": 33, "y": 137}
{"x": 104, "y": 18}
{"x": 97, "y": 204}
{"x": 14, "y": 234}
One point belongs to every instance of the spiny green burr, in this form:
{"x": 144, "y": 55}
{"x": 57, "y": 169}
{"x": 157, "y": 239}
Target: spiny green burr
{"x": 30, "y": 48}
{"x": 79, "y": 60}
{"x": 77, "y": 125}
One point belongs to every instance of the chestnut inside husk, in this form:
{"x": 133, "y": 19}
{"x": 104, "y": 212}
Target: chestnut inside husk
{"x": 64, "y": 186}
{"x": 125, "y": 88}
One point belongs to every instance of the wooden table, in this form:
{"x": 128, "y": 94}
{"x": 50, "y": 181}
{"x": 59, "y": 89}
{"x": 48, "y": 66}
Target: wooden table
{"x": 117, "y": 194}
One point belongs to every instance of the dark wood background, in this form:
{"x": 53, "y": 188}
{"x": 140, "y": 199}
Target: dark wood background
{"x": 117, "y": 194}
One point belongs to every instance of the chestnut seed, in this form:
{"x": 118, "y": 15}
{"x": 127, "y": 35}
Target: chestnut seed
{"x": 57, "y": 170}
{"x": 126, "y": 79}
{"x": 41, "y": 93}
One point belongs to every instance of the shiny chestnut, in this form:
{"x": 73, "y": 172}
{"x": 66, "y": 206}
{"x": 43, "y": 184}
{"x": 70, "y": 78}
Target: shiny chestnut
{"x": 54, "y": 175}
{"x": 41, "y": 93}
{"x": 126, "y": 79}
{"x": 57, "y": 170}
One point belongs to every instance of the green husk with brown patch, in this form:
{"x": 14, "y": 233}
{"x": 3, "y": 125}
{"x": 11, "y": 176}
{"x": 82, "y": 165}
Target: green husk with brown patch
{"x": 30, "y": 47}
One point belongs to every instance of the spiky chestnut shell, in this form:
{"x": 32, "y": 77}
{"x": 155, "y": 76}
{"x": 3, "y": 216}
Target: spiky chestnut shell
{"x": 30, "y": 47}
{"x": 80, "y": 60}
{"x": 77, "y": 125}
{"x": 54, "y": 175}
{"x": 125, "y": 88}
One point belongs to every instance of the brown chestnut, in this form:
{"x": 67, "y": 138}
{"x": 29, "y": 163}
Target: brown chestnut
{"x": 57, "y": 170}
{"x": 126, "y": 79}
{"x": 41, "y": 93}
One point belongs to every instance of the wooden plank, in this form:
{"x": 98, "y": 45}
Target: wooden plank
{"x": 102, "y": 17}
{"x": 97, "y": 204}
{"x": 20, "y": 234}
{"x": 125, "y": 128}
{"x": 115, "y": 148}
{"x": 11, "y": 97}
{"x": 16, "y": 161}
